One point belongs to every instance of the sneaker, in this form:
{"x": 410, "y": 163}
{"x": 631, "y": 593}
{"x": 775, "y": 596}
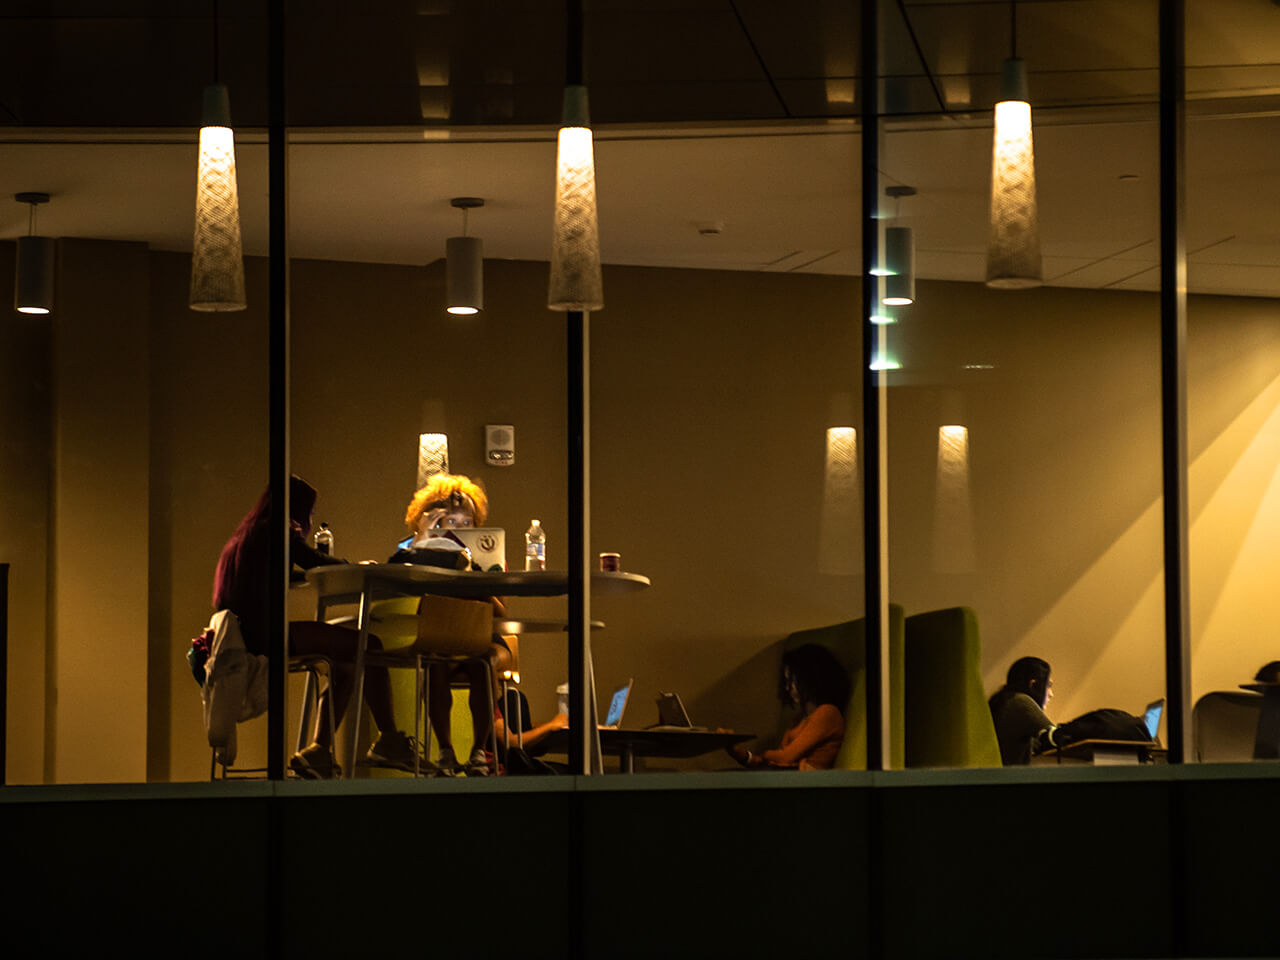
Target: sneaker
{"x": 478, "y": 765}
{"x": 397, "y": 751}
{"x": 447, "y": 763}
{"x": 314, "y": 762}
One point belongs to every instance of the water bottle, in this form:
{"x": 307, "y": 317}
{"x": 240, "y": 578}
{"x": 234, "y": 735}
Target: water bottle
{"x": 535, "y": 547}
{"x": 324, "y": 540}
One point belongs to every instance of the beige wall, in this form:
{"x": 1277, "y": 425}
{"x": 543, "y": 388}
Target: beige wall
{"x": 712, "y": 393}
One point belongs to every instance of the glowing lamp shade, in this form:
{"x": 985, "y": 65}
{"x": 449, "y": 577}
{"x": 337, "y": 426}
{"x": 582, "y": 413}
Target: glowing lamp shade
{"x": 217, "y": 263}
{"x": 433, "y": 456}
{"x": 900, "y": 259}
{"x": 1013, "y": 248}
{"x": 464, "y": 280}
{"x": 33, "y": 278}
{"x": 575, "y": 244}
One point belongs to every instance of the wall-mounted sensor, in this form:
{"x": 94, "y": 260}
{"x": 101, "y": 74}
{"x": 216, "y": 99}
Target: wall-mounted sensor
{"x": 499, "y": 444}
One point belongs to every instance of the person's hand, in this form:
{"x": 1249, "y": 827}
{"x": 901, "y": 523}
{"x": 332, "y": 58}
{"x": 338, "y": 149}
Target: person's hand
{"x": 724, "y": 730}
{"x": 560, "y": 721}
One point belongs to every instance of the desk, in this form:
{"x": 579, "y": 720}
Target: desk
{"x": 629, "y": 744}
{"x": 1266, "y": 742}
{"x": 363, "y": 583}
{"x": 1107, "y": 752}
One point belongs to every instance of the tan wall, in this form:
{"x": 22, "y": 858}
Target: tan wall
{"x": 712, "y": 393}
{"x": 101, "y": 508}
{"x": 24, "y": 523}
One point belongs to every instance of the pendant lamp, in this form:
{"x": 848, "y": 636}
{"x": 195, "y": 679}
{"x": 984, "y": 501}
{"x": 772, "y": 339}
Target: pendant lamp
{"x": 33, "y": 275}
{"x": 464, "y": 266}
{"x": 576, "y": 282}
{"x": 899, "y": 256}
{"x": 1013, "y": 248}
{"x": 217, "y": 261}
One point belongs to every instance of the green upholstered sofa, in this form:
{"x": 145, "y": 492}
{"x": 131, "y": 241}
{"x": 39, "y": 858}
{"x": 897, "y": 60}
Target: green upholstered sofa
{"x": 948, "y": 723}
{"x": 848, "y": 642}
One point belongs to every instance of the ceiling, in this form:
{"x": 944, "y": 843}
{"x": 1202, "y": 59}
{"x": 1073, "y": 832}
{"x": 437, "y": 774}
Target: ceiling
{"x": 734, "y": 113}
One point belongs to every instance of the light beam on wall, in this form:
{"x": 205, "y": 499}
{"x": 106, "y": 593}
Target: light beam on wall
{"x": 217, "y": 263}
{"x": 840, "y": 534}
{"x": 576, "y": 282}
{"x": 953, "y": 549}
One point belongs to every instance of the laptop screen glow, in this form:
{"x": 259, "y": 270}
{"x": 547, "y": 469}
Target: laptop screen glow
{"x": 617, "y": 704}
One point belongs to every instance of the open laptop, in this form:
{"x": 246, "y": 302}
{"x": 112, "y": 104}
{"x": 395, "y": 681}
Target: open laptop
{"x": 1151, "y": 717}
{"x": 487, "y": 545}
{"x": 672, "y": 715}
{"x": 617, "y": 706}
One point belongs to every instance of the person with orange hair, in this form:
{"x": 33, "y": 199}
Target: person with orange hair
{"x": 449, "y": 501}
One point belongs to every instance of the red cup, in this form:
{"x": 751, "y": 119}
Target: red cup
{"x": 610, "y": 562}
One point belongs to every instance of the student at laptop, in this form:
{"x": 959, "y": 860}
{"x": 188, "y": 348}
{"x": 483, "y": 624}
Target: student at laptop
{"x": 817, "y": 686}
{"x": 1017, "y": 710}
{"x": 447, "y": 502}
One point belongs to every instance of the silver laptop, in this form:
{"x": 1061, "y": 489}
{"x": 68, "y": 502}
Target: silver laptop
{"x": 672, "y": 715}
{"x": 617, "y": 707}
{"x": 488, "y": 546}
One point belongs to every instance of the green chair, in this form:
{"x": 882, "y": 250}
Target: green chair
{"x": 848, "y": 642}
{"x": 948, "y": 722}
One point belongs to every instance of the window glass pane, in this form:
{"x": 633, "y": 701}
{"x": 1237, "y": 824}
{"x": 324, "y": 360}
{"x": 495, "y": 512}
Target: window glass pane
{"x": 1232, "y": 368}
{"x": 1024, "y": 415}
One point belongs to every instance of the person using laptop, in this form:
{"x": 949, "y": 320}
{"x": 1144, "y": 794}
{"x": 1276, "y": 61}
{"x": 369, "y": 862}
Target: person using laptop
{"x": 814, "y": 682}
{"x": 450, "y": 502}
{"x": 1017, "y": 710}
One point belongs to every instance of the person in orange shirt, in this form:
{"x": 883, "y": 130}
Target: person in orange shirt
{"x": 817, "y": 686}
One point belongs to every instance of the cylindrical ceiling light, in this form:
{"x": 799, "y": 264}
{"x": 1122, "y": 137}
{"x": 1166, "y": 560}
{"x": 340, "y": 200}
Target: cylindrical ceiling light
{"x": 899, "y": 255}
{"x": 33, "y": 276}
{"x": 576, "y": 282}
{"x": 1013, "y": 249}
{"x": 464, "y": 266}
{"x": 900, "y": 263}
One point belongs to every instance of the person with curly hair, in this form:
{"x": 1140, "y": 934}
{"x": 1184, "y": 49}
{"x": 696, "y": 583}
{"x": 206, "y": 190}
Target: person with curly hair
{"x": 813, "y": 682}
{"x": 449, "y": 501}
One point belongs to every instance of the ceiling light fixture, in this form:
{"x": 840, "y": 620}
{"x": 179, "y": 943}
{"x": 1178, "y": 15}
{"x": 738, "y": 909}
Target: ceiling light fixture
{"x": 576, "y": 283}
{"x": 33, "y": 275}
{"x": 1013, "y": 250}
{"x": 217, "y": 261}
{"x": 899, "y": 255}
{"x": 464, "y": 265}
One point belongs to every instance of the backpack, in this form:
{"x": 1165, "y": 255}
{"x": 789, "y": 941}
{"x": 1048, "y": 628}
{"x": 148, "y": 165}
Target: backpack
{"x": 1104, "y": 724}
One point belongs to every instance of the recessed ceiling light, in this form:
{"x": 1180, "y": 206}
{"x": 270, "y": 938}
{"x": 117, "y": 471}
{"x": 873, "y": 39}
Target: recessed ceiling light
{"x": 979, "y": 366}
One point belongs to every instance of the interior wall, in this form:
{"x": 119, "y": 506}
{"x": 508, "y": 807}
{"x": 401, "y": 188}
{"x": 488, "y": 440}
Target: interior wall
{"x": 101, "y": 511}
{"x": 24, "y": 523}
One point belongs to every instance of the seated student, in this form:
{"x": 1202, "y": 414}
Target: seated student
{"x": 1017, "y": 710}
{"x": 519, "y": 759}
{"x": 450, "y": 501}
{"x": 812, "y": 681}
{"x": 241, "y": 585}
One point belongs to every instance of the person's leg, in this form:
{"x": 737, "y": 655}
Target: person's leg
{"x": 440, "y": 704}
{"x": 481, "y": 714}
{"x": 339, "y": 645}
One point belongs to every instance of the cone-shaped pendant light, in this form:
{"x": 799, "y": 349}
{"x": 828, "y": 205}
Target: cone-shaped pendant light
{"x": 576, "y": 283}
{"x": 217, "y": 263}
{"x": 1013, "y": 248}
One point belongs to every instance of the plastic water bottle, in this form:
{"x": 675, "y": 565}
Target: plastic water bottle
{"x": 535, "y": 547}
{"x": 324, "y": 540}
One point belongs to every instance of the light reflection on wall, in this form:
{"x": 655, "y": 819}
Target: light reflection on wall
{"x": 953, "y": 550}
{"x": 840, "y": 534}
